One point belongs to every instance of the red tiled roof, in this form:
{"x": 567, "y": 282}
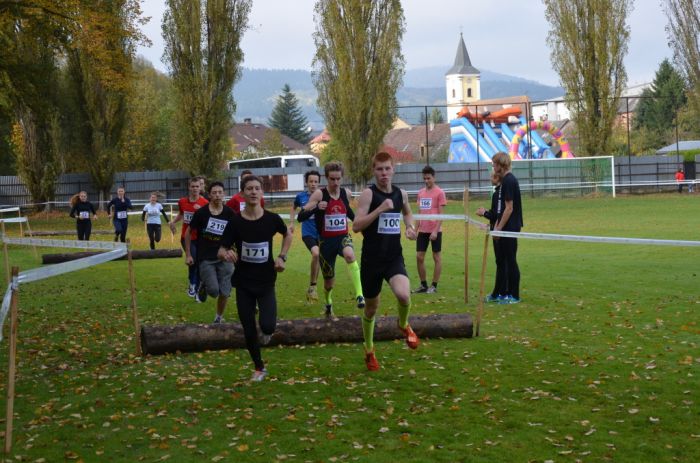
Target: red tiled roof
{"x": 247, "y": 134}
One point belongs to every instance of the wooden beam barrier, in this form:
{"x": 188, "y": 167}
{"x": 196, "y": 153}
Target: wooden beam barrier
{"x": 165, "y": 339}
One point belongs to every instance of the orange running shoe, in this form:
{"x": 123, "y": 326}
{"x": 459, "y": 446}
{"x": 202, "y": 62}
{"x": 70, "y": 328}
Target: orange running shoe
{"x": 371, "y": 361}
{"x": 412, "y": 340}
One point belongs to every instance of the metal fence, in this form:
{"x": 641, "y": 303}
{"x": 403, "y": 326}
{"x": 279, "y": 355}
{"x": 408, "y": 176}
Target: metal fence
{"x": 646, "y": 174}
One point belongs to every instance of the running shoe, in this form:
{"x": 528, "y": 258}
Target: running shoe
{"x": 411, "y": 337}
{"x": 432, "y": 290}
{"x": 509, "y": 300}
{"x": 218, "y": 319}
{"x": 201, "y": 295}
{"x": 259, "y": 375}
{"x": 491, "y": 298}
{"x": 311, "y": 294}
{"x": 192, "y": 291}
{"x": 421, "y": 289}
{"x": 265, "y": 339}
{"x": 371, "y": 361}
{"x": 360, "y": 302}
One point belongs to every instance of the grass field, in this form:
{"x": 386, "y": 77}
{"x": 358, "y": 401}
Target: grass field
{"x": 600, "y": 362}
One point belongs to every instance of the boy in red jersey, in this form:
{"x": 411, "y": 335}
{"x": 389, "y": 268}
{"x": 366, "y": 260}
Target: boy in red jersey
{"x": 188, "y": 206}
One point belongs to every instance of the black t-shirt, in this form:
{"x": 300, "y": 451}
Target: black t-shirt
{"x": 492, "y": 213}
{"x": 120, "y": 207}
{"x": 83, "y": 210}
{"x": 252, "y": 240}
{"x": 510, "y": 191}
{"x": 210, "y": 228}
{"x": 382, "y": 238}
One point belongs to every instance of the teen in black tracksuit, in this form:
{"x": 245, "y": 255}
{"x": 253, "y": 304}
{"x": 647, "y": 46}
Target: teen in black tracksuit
{"x": 499, "y": 289}
{"x": 82, "y": 211}
{"x": 509, "y": 218}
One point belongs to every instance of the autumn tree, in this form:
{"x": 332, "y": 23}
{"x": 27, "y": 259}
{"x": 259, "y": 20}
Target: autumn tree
{"x": 357, "y": 70}
{"x": 684, "y": 36}
{"x": 202, "y": 49}
{"x": 288, "y": 118}
{"x": 659, "y": 106}
{"x": 588, "y": 41}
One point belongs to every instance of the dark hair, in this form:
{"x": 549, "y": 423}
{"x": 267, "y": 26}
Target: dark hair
{"x": 311, "y": 172}
{"x": 334, "y": 166}
{"x": 213, "y": 184}
{"x": 246, "y": 172}
{"x": 193, "y": 180}
{"x": 428, "y": 170}
{"x": 250, "y": 178}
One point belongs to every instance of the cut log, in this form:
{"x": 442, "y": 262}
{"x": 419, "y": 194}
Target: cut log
{"x": 140, "y": 254}
{"x": 165, "y": 339}
{"x": 66, "y": 232}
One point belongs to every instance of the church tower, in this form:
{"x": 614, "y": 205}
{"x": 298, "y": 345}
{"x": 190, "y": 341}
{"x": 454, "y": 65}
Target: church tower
{"x": 462, "y": 81}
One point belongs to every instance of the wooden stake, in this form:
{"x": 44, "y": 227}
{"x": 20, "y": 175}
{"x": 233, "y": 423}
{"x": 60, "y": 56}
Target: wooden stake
{"x": 480, "y": 312}
{"x": 4, "y": 251}
{"x": 134, "y": 309}
{"x": 465, "y": 201}
{"x": 29, "y": 230}
{"x": 10, "y": 406}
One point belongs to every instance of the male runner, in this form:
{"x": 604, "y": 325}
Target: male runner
{"x": 379, "y": 213}
{"x": 309, "y": 233}
{"x": 431, "y": 200}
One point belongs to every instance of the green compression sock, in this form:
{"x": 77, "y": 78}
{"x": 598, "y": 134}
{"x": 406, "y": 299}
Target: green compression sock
{"x": 368, "y": 333}
{"x": 355, "y": 278}
{"x": 328, "y": 293}
{"x": 403, "y": 314}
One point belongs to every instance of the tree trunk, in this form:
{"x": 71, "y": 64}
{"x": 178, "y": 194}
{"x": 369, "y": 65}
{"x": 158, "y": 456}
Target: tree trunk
{"x": 164, "y": 339}
{"x": 140, "y": 254}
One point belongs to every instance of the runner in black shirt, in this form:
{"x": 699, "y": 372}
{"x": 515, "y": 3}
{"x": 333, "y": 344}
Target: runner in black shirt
{"x": 214, "y": 274}
{"x": 120, "y": 219}
{"x": 247, "y": 242}
{"x": 82, "y": 210}
{"x": 378, "y": 217}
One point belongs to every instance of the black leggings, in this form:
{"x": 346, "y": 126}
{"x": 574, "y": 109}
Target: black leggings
{"x": 84, "y": 228}
{"x": 120, "y": 227}
{"x": 246, "y": 298}
{"x": 153, "y": 230}
{"x": 511, "y": 271}
{"x": 500, "y": 288}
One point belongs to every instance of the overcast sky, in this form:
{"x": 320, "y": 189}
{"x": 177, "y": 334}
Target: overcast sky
{"x": 281, "y": 31}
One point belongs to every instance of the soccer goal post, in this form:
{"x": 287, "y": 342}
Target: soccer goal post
{"x": 566, "y": 177}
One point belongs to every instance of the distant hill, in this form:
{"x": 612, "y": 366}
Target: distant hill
{"x": 257, "y": 90}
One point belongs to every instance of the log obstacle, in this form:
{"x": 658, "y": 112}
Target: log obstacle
{"x": 141, "y": 254}
{"x": 167, "y": 339}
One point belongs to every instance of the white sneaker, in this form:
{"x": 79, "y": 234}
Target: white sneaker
{"x": 265, "y": 339}
{"x": 192, "y": 291}
{"x": 259, "y": 375}
{"x": 432, "y": 290}
{"x": 218, "y": 319}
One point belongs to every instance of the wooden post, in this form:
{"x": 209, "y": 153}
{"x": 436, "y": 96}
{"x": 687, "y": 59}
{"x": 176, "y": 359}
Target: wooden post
{"x": 134, "y": 310}
{"x": 21, "y": 230}
{"x": 465, "y": 200}
{"x": 4, "y": 251}
{"x": 480, "y": 311}
{"x": 36, "y": 253}
{"x": 10, "y": 406}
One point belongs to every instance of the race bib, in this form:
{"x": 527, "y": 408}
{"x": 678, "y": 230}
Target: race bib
{"x": 255, "y": 253}
{"x": 389, "y": 223}
{"x": 188, "y": 217}
{"x": 84, "y": 215}
{"x": 336, "y": 223}
{"x": 242, "y": 207}
{"x": 216, "y": 226}
{"x": 121, "y": 214}
{"x": 426, "y": 203}
{"x": 152, "y": 212}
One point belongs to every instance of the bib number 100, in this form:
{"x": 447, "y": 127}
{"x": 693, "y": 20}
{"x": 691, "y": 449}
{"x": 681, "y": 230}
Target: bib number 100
{"x": 389, "y": 223}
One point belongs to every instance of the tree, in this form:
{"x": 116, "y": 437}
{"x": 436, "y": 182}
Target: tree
{"x": 588, "y": 41}
{"x": 684, "y": 36}
{"x": 436, "y": 116}
{"x": 659, "y": 106}
{"x": 288, "y": 118}
{"x": 202, "y": 49}
{"x": 357, "y": 70}
{"x": 271, "y": 144}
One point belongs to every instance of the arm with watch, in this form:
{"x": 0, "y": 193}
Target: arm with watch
{"x": 282, "y": 257}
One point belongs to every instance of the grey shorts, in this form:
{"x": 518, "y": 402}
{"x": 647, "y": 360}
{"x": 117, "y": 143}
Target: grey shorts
{"x": 216, "y": 277}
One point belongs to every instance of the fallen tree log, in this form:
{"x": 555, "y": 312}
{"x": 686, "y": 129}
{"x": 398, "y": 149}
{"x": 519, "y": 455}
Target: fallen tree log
{"x": 164, "y": 339}
{"x": 139, "y": 254}
{"x": 66, "y": 233}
